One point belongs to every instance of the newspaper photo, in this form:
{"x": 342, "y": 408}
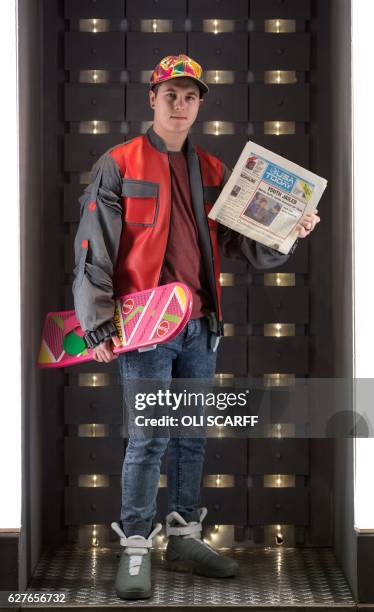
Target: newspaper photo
{"x": 266, "y": 196}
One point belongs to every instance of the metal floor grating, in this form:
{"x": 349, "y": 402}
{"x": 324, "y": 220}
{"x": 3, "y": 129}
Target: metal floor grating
{"x": 282, "y": 578}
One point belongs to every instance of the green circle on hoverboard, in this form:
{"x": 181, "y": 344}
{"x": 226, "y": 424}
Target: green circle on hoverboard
{"x": 74, "y": 344}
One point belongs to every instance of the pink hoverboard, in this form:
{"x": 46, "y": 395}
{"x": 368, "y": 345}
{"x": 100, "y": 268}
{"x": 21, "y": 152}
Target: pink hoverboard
{"x": 143, "y": 320}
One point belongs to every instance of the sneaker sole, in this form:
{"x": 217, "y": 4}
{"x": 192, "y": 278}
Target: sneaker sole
{"x": 189, "y": 566}
{"x": 134, "y": 594}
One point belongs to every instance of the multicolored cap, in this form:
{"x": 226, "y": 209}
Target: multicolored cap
{"x": 173, "y": 66}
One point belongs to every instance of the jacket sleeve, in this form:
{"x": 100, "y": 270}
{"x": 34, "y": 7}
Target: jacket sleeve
{"x": 237, "y": 246}
{"x": 96, "y": 245}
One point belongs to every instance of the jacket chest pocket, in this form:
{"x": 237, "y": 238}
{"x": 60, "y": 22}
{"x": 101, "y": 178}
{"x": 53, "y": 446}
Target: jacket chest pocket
{"x": 141, "y": 202}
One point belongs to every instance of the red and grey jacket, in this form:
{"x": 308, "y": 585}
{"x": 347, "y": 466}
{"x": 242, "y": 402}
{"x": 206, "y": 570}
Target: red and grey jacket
{"x": 124, "y": 226}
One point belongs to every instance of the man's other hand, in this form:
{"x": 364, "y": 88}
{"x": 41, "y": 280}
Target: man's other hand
{"x": 104, "y": 351}
{"x": 307, "y": 224}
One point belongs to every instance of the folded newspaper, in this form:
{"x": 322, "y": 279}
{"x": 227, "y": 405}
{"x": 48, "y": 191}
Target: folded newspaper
{"x": 266, "y": 196}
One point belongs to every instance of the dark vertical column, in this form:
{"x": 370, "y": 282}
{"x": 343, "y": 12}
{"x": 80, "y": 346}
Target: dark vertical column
{"x": 52, "y": 270}
{"x": 338, "y": 110}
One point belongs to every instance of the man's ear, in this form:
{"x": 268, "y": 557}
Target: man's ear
{"x": 151, "y": 98}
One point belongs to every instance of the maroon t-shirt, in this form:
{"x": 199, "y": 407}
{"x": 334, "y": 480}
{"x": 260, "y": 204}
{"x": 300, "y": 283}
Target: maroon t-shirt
{"x": 183, "y": 261}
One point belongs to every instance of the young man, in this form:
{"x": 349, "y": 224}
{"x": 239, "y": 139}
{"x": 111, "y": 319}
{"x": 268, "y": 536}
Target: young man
{"x": 144, "y": 223}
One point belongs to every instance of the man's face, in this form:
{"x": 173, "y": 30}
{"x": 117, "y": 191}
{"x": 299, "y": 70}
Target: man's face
{"x": 177, "y": 104}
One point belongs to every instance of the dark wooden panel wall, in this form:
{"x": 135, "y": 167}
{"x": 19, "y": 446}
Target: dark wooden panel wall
{"x": 257, "y": 60}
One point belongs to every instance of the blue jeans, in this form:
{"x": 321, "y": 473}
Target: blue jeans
{"x": 188, "y": 355}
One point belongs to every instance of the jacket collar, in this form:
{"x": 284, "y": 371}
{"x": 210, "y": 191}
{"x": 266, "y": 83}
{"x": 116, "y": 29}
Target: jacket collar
{"x": 157, "y": 142}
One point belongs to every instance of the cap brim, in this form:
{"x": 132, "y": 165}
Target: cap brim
{"x": 204, "y": 88}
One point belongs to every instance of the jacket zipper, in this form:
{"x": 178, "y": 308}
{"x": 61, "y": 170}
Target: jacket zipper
{"x": 167, "y": 239}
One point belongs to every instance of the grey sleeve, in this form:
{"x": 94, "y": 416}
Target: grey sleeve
{"x": 237, "y": 246}
{"x": 96, "y": 245}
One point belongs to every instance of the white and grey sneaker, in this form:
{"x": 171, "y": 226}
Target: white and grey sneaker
{"x": 133, "y": 579}
{"x": 187, "y": 552}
